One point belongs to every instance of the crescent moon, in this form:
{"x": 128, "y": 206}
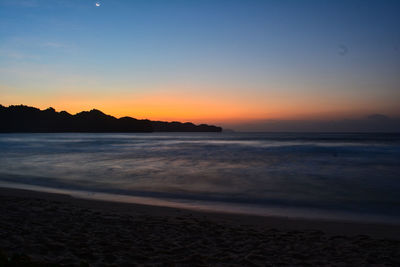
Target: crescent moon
{"x": 98, "y": 4}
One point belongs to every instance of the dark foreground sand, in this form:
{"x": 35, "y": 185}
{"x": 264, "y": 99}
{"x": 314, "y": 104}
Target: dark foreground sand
{"x": 50, "y": 228}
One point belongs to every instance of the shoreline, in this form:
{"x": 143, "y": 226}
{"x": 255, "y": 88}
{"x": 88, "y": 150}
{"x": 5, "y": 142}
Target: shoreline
{"x": 214, "y": 207}
{"x": 329, "y": 226}
{"x": 57, "y": 228}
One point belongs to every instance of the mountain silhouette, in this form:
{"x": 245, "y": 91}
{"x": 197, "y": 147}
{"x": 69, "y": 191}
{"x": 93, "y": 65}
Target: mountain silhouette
{"x": 23, "y": 118}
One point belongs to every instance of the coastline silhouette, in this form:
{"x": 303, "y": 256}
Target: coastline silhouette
{"x": 21, "y": 118}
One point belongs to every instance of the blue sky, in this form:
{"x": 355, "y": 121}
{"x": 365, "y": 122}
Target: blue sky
{"x": 257, "y": 59}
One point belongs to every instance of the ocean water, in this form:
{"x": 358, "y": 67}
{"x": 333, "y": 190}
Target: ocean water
{"x": 311, "y": 175}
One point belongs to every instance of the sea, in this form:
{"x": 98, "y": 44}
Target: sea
{"x": 344, "y": 176}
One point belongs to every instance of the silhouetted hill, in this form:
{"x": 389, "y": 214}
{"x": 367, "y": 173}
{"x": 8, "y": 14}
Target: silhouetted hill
{"x": 162, "y": 126}
{"x": 29, "y": 119}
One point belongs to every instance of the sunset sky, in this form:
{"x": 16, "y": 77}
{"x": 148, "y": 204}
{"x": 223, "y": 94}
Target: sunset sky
{"x": 209, "y": 61}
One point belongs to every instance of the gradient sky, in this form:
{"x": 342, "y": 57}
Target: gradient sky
{"x": 205, "y": 61}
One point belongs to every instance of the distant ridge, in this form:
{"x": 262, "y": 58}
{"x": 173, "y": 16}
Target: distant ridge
{"x": 23, "y": 118}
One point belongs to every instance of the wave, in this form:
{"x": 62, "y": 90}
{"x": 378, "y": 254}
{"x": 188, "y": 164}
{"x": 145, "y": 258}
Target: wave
{"x": 322, "y": 171}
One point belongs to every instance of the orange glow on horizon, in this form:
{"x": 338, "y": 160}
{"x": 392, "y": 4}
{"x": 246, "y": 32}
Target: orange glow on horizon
{"x": 194, "y": 106}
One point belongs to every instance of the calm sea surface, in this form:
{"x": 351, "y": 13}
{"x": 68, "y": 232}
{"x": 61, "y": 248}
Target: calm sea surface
{"x": 346, "y": 176}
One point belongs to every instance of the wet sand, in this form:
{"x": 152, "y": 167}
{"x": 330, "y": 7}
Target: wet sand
{"x": 59, "y": 229}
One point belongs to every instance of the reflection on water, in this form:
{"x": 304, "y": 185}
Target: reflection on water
{"x": 355, "y": 173}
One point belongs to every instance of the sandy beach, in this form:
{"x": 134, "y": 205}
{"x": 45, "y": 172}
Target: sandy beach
{"x": 44, "y": 228}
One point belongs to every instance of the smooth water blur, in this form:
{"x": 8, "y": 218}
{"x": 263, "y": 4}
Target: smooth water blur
{"x": 308, "y": 172}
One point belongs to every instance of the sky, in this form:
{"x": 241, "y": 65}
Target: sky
{"x": 224, "y": 62}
